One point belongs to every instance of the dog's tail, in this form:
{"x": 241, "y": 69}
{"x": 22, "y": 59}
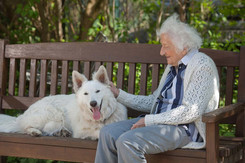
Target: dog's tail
{"x": 8, "y": 124}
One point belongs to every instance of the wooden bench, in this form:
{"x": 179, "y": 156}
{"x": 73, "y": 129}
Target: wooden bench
{"x": 31, "y": 71}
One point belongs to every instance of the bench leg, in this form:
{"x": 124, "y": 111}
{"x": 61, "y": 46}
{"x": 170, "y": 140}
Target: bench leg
{"x": 3, "y": 159}
{"x": 243, "y": 159}
{"x": 212, "y": 146}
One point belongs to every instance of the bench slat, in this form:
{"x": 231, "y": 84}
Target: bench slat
{"x": 22, "y": 77}
{"x": 220, "y": 75}
{"x": 241, "y": 85}
{"x": 131, "y": 78}
{"x": 17, "y": 102}
{"x": 120, "y": 75}
{"x": 49, "y": 152}
{"x": 240, "y": 127}
{"x": 76, "y": 65}
{"x": 219, "y": 71}
{"x": 229, "y": 85}
{"x": 12, "y": 77}
{"x": 87, "y": 69}
{"x": 143, "y": 79}
{"x": 228, "y": 148}
{"x": 12, "y": 142}
{"x": 55, "y": 142}
{"x": 54, "y": 77}
{"x": 85, "y": 51}
{"x": 64, "y": 77}
{"x": 155, "y": 77}
{"x": 43, "y": 78}
{"x": 33, "y": 77}
{"x": 97, "y": 65}
{"x": 228, "y": 58}
{"x": 109, "y": 69}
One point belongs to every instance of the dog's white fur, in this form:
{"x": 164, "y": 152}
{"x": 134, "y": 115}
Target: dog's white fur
{"x": 83, "y": 114}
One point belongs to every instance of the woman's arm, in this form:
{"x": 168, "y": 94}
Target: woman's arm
{"x": 198, "y": 93}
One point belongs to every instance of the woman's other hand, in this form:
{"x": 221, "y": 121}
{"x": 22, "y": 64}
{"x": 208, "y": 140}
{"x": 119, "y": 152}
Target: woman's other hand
{"x": 139, "y": 123}
{"x": 114, "y": 90}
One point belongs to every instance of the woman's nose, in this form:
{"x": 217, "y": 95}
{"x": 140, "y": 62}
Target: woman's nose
{"x": 162, "y": 52}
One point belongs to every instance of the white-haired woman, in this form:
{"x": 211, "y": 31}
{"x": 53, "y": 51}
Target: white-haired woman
{"x": 188, "y": 88}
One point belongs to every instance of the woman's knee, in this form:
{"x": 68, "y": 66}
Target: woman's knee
{"x": 123, "y": 143}
{"x": 105, "y": 132}
{"x": 120, "y": 141}
{"x": 130, "y": 147}
{"x": 127, "y": 139}
{"x": 110, "y": 132}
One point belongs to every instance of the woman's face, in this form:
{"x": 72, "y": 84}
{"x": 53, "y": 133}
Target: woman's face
{"x": 170, "y": 51}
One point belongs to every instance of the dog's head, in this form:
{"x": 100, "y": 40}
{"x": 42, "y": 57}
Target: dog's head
{"x": 94, "y": 97}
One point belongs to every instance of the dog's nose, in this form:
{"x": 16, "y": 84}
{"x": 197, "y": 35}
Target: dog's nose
{"x": 93, "y": 103}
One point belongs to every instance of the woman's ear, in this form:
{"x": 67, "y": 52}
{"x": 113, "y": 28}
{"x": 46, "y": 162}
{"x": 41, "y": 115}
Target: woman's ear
{"x": 184, "y": 51}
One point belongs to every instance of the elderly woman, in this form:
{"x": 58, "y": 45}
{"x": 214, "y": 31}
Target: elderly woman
{"x": 188, "y": 89}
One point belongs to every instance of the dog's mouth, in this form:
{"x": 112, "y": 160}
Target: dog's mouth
{"x": 96, "y": 111}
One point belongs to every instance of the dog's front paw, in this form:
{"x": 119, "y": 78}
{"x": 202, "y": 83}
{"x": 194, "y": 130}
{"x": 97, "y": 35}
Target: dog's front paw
{"x": 34, "y": 132}
{"x": 62, "y": 133}
{"x": 93, "y": 138}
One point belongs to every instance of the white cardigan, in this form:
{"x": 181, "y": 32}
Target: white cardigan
{"x": 201, "y": 95}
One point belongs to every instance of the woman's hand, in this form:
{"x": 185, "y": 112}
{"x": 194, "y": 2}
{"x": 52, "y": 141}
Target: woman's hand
{"x": 114, "y": 90}
{"x": 138, "y": 124}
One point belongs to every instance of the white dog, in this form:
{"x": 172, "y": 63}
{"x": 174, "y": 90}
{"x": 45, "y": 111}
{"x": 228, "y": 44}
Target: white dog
{"x": 82, "y": 114}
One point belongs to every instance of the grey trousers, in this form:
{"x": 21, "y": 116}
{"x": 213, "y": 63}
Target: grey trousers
{"x": 117, "y": 143}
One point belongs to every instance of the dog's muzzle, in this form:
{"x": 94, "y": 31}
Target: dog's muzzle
{"x": 96, "y": 109}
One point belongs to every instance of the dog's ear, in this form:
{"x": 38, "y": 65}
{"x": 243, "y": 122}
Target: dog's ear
{"x": 101, "y": 75}
{"x": 77, "y": 79}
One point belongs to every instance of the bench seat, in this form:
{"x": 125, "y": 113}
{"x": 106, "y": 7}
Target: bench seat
{"x": 75, "y": 150}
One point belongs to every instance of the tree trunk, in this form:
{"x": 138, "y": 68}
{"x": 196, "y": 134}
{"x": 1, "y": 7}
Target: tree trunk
{"x": 42, "y": 7}
{"x": 58, "y": 24}
{"x": 182, "y": 9}
{"x": 93, "y": 9}
{"x": 159, "y": 18}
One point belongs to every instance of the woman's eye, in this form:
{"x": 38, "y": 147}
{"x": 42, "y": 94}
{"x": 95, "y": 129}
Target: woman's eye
{"x": 97, "y": 91}
{"x": 85, "y": 93}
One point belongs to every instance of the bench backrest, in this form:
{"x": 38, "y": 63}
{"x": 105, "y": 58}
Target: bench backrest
{"x": 31, "y": 71}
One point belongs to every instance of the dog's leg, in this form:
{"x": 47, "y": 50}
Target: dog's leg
{"x": 62, "y": 133}
{"x": 54, "y": 128}
{"x": 95, "y": 135}
{"x": 33, "y": 131}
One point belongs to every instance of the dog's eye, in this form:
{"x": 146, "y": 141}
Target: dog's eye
{"x": 85, "y": 93}
{"x": 97, "y": 91}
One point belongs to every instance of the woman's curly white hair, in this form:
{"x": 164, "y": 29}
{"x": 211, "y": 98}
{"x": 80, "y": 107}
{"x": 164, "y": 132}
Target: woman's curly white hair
{"x": 182, "y": 35}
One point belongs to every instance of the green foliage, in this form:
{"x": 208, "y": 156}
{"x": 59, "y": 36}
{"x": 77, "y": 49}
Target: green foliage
{"x": 214, "y": 23}
{"x": 118, "y": 26}
{"x": 227, "y": 130}
{"x": 30, "y": 160}
{"x": 25, "y": 33}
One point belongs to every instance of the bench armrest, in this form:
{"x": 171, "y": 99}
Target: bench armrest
{"x": 212, "y": 120}
{"x": 224, "y": 112}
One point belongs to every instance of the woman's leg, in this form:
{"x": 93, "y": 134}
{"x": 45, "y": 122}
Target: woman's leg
{"x": 106, "y": 149}
{"x": 134, "y": 144}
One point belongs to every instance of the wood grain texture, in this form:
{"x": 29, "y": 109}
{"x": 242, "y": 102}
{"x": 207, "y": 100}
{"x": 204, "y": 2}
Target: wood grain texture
{"x": 22, "y": 77}
{"x": 43, "y": 78}
{"x": 33, "y": 77}
{"x": 12, "y": 76}
{"x": 54, "y": 77}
